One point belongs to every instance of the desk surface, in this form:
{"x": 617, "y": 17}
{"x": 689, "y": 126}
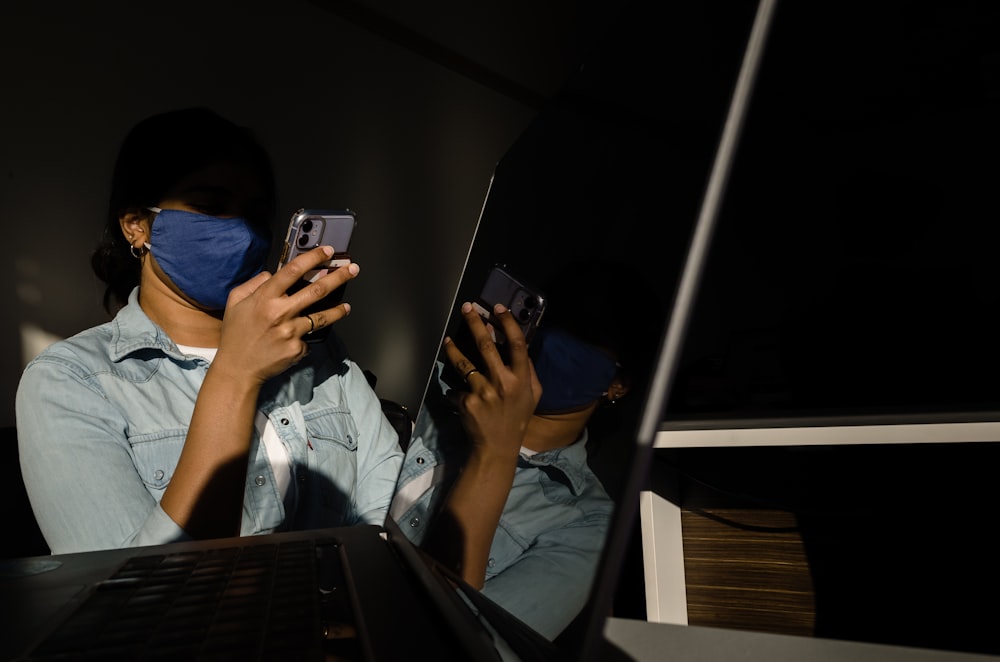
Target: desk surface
{"x": 641, "y": 641}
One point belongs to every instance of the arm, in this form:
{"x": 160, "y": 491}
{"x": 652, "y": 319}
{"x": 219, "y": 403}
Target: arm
{"x": 494, "y": 414}
{"x": 261, "y": 337}
{"x": 84, "y": 488}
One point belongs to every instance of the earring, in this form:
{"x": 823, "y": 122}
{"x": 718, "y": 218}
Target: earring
{"x": 137, "y": 254}
{"x": 614, "y": 393}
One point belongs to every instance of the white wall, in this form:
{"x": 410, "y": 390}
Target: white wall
{"x": 351, "y": 119}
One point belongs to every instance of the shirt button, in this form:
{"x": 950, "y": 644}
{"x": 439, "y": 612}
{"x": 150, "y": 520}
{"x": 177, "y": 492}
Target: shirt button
{"x": 420, "y": 460}
{"x": 158, "y": 475}
{"x": 491, "y": 562}
{"x": 284, "y": 421}
{"x": 301, "y": 477}
{"x": 259, "y": 480}
{"x": 415, "y": 522}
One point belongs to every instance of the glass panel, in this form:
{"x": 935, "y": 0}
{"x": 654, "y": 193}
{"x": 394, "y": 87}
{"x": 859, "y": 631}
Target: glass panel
{"x": 594, "y": 205}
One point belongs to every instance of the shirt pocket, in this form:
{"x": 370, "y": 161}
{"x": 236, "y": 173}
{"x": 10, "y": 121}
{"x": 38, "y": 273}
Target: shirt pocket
{"x": 332, "y": 426}
{"x": 504, "y": 552}
{"x": 155, "y": 457}
{"x": 333, "y": 468}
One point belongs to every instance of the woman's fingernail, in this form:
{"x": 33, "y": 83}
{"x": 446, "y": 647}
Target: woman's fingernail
{"x": 353, "y": 268}
{"x": 466, "y": 307}
{"x": 499, "y": 309}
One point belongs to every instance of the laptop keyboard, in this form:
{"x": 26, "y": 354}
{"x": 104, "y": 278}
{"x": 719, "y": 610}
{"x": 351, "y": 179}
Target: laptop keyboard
{"x": 254, "y": 602}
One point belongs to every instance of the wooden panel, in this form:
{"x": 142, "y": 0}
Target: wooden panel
{"x": 747, "y": 570}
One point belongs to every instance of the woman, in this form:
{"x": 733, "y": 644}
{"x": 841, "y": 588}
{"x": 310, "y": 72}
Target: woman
{"x": 199, "y": 411}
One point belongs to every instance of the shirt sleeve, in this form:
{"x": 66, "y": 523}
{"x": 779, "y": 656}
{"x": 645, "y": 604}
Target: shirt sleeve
{"x": 379, "y": 454}
{"x": 82, "y": 483}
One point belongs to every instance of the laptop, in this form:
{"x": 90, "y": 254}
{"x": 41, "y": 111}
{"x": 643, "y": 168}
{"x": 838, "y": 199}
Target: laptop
{"x": 365, "y": 592}
{"x": 350, "y": 592}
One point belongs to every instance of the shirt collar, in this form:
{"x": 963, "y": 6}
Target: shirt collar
{"x": 571, "y": 461}
{"x": 134, "y": 332}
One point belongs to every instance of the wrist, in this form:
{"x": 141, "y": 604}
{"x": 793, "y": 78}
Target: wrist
{"x": 484, "y": 459}
{"x": 231, "y": 379}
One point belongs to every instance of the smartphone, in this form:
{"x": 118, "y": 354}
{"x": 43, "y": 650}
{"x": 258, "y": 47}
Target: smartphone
{"x": 307, "y": 229}
{"x": 526, "y": 303}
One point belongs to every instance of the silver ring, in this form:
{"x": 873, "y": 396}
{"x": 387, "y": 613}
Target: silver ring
{"x": 465, "y": 378}
{"x": 312, "y": 324}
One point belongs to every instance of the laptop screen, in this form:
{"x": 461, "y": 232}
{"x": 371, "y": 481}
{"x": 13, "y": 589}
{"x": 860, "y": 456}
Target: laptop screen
{"x": 848, "y": 277}
{"x": 593, "y": 208}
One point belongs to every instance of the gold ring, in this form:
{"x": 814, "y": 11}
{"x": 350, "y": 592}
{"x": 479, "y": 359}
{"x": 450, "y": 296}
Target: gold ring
{"x": 312, "y": 324}
{"x": 465, "y": 378}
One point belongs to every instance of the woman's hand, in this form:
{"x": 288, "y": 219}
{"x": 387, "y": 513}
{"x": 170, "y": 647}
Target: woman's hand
{"x": 262, "y": 328}
{"x": 262, "y": 333}
{"x": 501, "y": 398}
{"x": 495, "y": 412}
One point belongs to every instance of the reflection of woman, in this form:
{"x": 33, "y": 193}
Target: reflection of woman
{"x": 545, "y": 545}
{"x": 199, "y": 411}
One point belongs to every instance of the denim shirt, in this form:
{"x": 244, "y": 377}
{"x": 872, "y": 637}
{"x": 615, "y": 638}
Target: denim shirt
{"x": 546, "y": 548}
{"x": 102, "y": 418}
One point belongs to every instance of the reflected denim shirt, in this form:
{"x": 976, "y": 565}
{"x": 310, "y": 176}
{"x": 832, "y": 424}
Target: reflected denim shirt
{"x": 545, "y": 552}
{"x": 102, "y": 418}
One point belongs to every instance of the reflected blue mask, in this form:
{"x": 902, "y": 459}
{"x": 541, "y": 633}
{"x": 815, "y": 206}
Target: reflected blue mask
{"x": 206, "y": 256}
{"x": 572, "y": 372}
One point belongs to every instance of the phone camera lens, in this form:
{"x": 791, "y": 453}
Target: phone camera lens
{"x": 524, "y": 314}
{"x": 306, "y": 227}
{"x": 530, "y": 302}
{"x": 303, "y": 240}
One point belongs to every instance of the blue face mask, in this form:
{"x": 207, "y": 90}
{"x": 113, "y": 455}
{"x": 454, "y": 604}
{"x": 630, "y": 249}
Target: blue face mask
{"x": 206, "y": 256}
{"x": 572, "y": 372}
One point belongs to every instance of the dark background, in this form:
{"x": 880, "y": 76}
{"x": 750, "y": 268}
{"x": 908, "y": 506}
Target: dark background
{"x": 853, "y": 268}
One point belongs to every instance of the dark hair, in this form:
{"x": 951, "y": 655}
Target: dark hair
{"x": 615, "y": 306}
{"x": 157, "y": 153}
{"x": 624, "y": 314}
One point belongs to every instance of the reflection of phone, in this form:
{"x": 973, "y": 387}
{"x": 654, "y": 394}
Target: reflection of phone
{"x": 307, "y": 229}
{"x": 525, "y": 302}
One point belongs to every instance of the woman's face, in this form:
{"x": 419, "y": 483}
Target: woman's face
{"x": 225, "y": 190}
{"x": 200, "y": 261}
